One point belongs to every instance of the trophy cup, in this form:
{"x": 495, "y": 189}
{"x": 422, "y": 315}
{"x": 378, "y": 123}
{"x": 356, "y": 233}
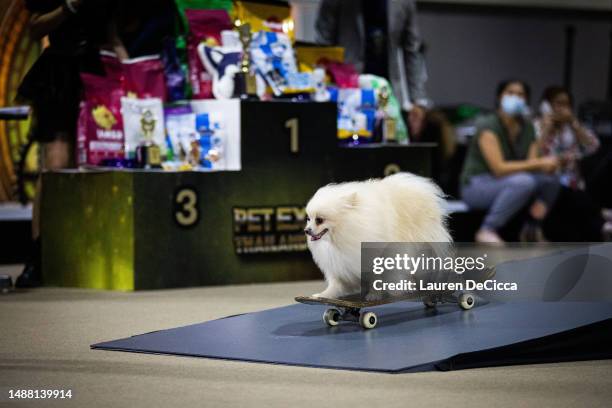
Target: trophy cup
{"x": 389, "y": 125}
{"x": 148, "y": 154}
{"x": 245, "y": 81}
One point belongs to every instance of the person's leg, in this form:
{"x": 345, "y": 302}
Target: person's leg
{"x": 55, "y": 155}
{"x": 547, "y": 191}
{"x": 503, "y": 197}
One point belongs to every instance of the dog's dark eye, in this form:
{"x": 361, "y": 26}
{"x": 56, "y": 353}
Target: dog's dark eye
{"x": 319, "y": 220}
{"x": 307, "y": 219}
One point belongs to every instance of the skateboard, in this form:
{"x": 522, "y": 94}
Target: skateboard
{"x": 349, "y": 308}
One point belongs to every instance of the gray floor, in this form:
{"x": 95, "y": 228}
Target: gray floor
{"x": 45, "y": 336}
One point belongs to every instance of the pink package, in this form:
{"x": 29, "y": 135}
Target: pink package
{"x": 100, "y": 127}
{"x": 143, "y": 76}
{"x": 343, "y": 74}
{"x": 204, "y": 25}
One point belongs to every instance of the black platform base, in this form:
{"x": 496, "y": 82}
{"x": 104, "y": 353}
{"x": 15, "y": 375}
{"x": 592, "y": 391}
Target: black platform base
{"x": 408, "y": 337}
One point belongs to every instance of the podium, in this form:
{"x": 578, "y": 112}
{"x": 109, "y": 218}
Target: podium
{"x": 135, "y": 229}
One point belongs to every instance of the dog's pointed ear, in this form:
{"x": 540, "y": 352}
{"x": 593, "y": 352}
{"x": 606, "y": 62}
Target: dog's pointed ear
{"x": 351, "y": 201}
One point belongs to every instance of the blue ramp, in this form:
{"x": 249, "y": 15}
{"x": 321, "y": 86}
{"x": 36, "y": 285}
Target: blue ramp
{"x": 408, "y": 337}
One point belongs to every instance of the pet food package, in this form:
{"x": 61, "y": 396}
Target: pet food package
{"x": 180, "y": 132}
{"x": 204, "y": 26}
{"x": 142, "y": 77}
{"x": 219, "y": 130}
{"x": 222, "y": 64}
{"x": 184, "y": 5}
{"x": 142, "y": 117}
{"x": 274, "y": 60}
{"x": 343, "y": 75}
{"x": 174, "y": 73}
{"x": 356, "y": 113}
{"x": 311, "y": 55}
{"x": 211, "y": 138}
{"x": 99, "y": 129}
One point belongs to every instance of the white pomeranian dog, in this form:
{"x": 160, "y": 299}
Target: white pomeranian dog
{"x": 399, "y": 208}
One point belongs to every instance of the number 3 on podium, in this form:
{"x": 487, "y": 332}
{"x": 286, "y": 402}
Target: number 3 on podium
{"x": 186, "y": 212}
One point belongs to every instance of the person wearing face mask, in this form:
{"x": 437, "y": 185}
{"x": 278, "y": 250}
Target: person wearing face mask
{"x": 503, "y": 172}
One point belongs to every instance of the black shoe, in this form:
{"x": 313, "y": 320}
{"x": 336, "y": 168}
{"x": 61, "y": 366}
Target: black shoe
{"x": 29, "y": 278}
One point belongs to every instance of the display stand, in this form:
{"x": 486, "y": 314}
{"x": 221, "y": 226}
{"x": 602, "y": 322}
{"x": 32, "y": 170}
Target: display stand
{"x": 133, "y": 229}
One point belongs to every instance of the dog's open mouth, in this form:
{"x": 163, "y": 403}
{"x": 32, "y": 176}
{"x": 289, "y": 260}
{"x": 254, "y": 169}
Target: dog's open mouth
{"x": 316, "y": 237}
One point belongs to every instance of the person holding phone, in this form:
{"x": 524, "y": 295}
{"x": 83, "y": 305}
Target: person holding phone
{"x": 561, "y": 135}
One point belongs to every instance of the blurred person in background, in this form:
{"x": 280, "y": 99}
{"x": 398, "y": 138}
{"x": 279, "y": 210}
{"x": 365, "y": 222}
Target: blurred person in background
{"x": 381, "y": 38}
{"x": 143, "y": 25}
{"x": 75, "y": 30}
{"x": 561, "y": 135}
{"x": 503, "y": 172}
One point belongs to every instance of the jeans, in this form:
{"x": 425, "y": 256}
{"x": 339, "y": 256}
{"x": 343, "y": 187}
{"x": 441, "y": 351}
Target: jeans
{"x": 504, "y": 196}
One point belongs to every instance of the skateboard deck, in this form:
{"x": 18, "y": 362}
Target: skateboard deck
{"x": 353, "y": 301}
{"x": 348, "y": 308}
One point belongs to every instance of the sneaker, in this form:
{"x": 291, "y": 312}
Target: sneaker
{"x": 29, "y": 278}
{"x": 488, "y": 236}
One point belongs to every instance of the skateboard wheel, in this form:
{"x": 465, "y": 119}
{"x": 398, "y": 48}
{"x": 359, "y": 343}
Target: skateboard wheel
{"x": 331, "y": 317}
{"x": 368, "y": 320}
{"x": 466, "y": 301}
{"x": 429, "y": 303}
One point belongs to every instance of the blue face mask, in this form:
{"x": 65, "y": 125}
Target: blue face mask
{"x": 513, "y": 105}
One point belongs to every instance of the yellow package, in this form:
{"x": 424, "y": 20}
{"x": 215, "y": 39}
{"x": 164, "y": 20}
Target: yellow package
{"x": 310, "y": 54}
{"x": 265, "y": 16}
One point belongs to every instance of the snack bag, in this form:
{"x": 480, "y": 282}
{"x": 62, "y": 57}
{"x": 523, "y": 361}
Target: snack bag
{"x": 204, "y": 26}
{"x": 99, "y": 128}
{"x": 134, "y": 112}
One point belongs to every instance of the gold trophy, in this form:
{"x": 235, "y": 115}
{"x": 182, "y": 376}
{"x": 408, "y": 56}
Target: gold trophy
{"x": 148, "y": 154}
{"x": 389, "y": 124}
{"x": 245, "y": 82}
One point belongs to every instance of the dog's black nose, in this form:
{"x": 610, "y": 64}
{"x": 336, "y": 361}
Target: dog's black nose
{"x": 307, "y": 230}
